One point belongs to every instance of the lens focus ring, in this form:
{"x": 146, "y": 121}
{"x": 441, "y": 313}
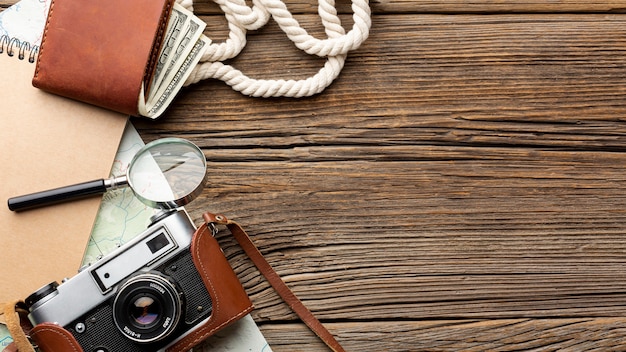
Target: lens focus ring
{"x": 147, "y": 308}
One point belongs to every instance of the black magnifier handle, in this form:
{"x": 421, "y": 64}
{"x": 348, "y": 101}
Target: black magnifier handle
{"x": 62, "y": 194}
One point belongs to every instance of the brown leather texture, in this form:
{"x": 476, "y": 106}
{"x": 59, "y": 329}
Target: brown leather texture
{"x": 230, "y": 301}
{"x": 15, "y": 314}
{"x": 100, "y": 52}
{"x": 52, "y": 337}
{"x": 274, "y": 279}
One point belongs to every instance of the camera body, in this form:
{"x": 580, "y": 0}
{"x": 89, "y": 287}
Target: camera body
{"x": 155, "y": 293}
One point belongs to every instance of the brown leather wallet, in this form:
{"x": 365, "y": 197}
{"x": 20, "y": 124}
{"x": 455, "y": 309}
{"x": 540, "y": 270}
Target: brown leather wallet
{"x": 100, "y": 52}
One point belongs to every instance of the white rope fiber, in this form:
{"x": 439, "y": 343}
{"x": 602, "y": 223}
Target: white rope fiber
{"x": 242, "y": 18}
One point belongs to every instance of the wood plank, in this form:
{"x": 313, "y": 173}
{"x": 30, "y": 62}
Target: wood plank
{"x": 602, "y": 334}
{"x": 492, "y": 6}
{"x": 445, "y": 6}
{"x": 431, "y": 245}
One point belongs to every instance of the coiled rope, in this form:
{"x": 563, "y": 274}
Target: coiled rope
{"x": 242, "y": 18}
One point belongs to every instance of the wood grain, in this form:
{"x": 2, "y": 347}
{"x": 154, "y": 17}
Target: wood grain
{"x": 468, "y": 335}
{"x": 461, "y": 185}
{"x": 463, "y": 168}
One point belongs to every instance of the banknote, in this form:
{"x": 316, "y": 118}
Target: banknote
{"x": 174, "y": 28}
{"x": 187, "y": 29}
{"x": 182, "y": 48}
{"x": 168, "y": 90}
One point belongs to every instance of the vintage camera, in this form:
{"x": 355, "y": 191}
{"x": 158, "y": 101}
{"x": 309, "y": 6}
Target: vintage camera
{"x": 148, "y": 295}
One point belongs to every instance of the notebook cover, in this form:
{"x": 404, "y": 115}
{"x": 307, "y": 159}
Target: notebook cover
{"x": 100, "y": 52}
{"x": 47, "y": 141}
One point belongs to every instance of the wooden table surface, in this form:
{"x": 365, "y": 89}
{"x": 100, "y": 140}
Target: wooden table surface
{"x": 460, "y": 187}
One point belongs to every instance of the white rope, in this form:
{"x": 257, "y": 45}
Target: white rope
{"x": 188, "y": 4}
{"x": 242, "y": 18}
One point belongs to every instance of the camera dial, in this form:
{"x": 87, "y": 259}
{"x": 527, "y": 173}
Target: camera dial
{"x": 42, "y": 295}
{"x": 147, "y": 308}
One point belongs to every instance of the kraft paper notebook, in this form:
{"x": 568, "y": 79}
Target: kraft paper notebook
{"x": 47, "y": 141}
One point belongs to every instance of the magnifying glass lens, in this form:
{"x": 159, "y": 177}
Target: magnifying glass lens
{"x": 167, "y": 171}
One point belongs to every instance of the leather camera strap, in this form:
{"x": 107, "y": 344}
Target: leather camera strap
{"x": 274, "y": 279}
{"x": 18, "y": 325}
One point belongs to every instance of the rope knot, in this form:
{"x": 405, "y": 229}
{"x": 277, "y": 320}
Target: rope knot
{"x": 242, "y": 18}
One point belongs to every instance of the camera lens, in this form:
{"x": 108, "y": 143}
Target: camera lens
{"x": 145, "y": 311}
{"x": 147, "y": 308}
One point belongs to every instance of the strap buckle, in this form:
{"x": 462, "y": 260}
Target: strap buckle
{"x": 212, "y": 220}
{"x": 213, "y": 228}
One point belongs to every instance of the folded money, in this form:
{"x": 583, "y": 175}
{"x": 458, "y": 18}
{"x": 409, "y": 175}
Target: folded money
{"x": 182, "y": 48}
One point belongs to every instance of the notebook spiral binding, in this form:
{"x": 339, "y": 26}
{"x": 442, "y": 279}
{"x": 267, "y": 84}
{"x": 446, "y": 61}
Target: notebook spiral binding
{"x": 23, "y": 49}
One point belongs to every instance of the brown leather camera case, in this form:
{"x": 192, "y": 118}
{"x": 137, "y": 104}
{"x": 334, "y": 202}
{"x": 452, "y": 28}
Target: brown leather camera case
{"x": 230, "y": 301}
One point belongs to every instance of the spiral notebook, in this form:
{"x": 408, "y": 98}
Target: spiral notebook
{"x": 47, "y": 141}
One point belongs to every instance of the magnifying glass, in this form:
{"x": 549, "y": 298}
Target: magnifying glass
{"x": 166, "y": 173}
